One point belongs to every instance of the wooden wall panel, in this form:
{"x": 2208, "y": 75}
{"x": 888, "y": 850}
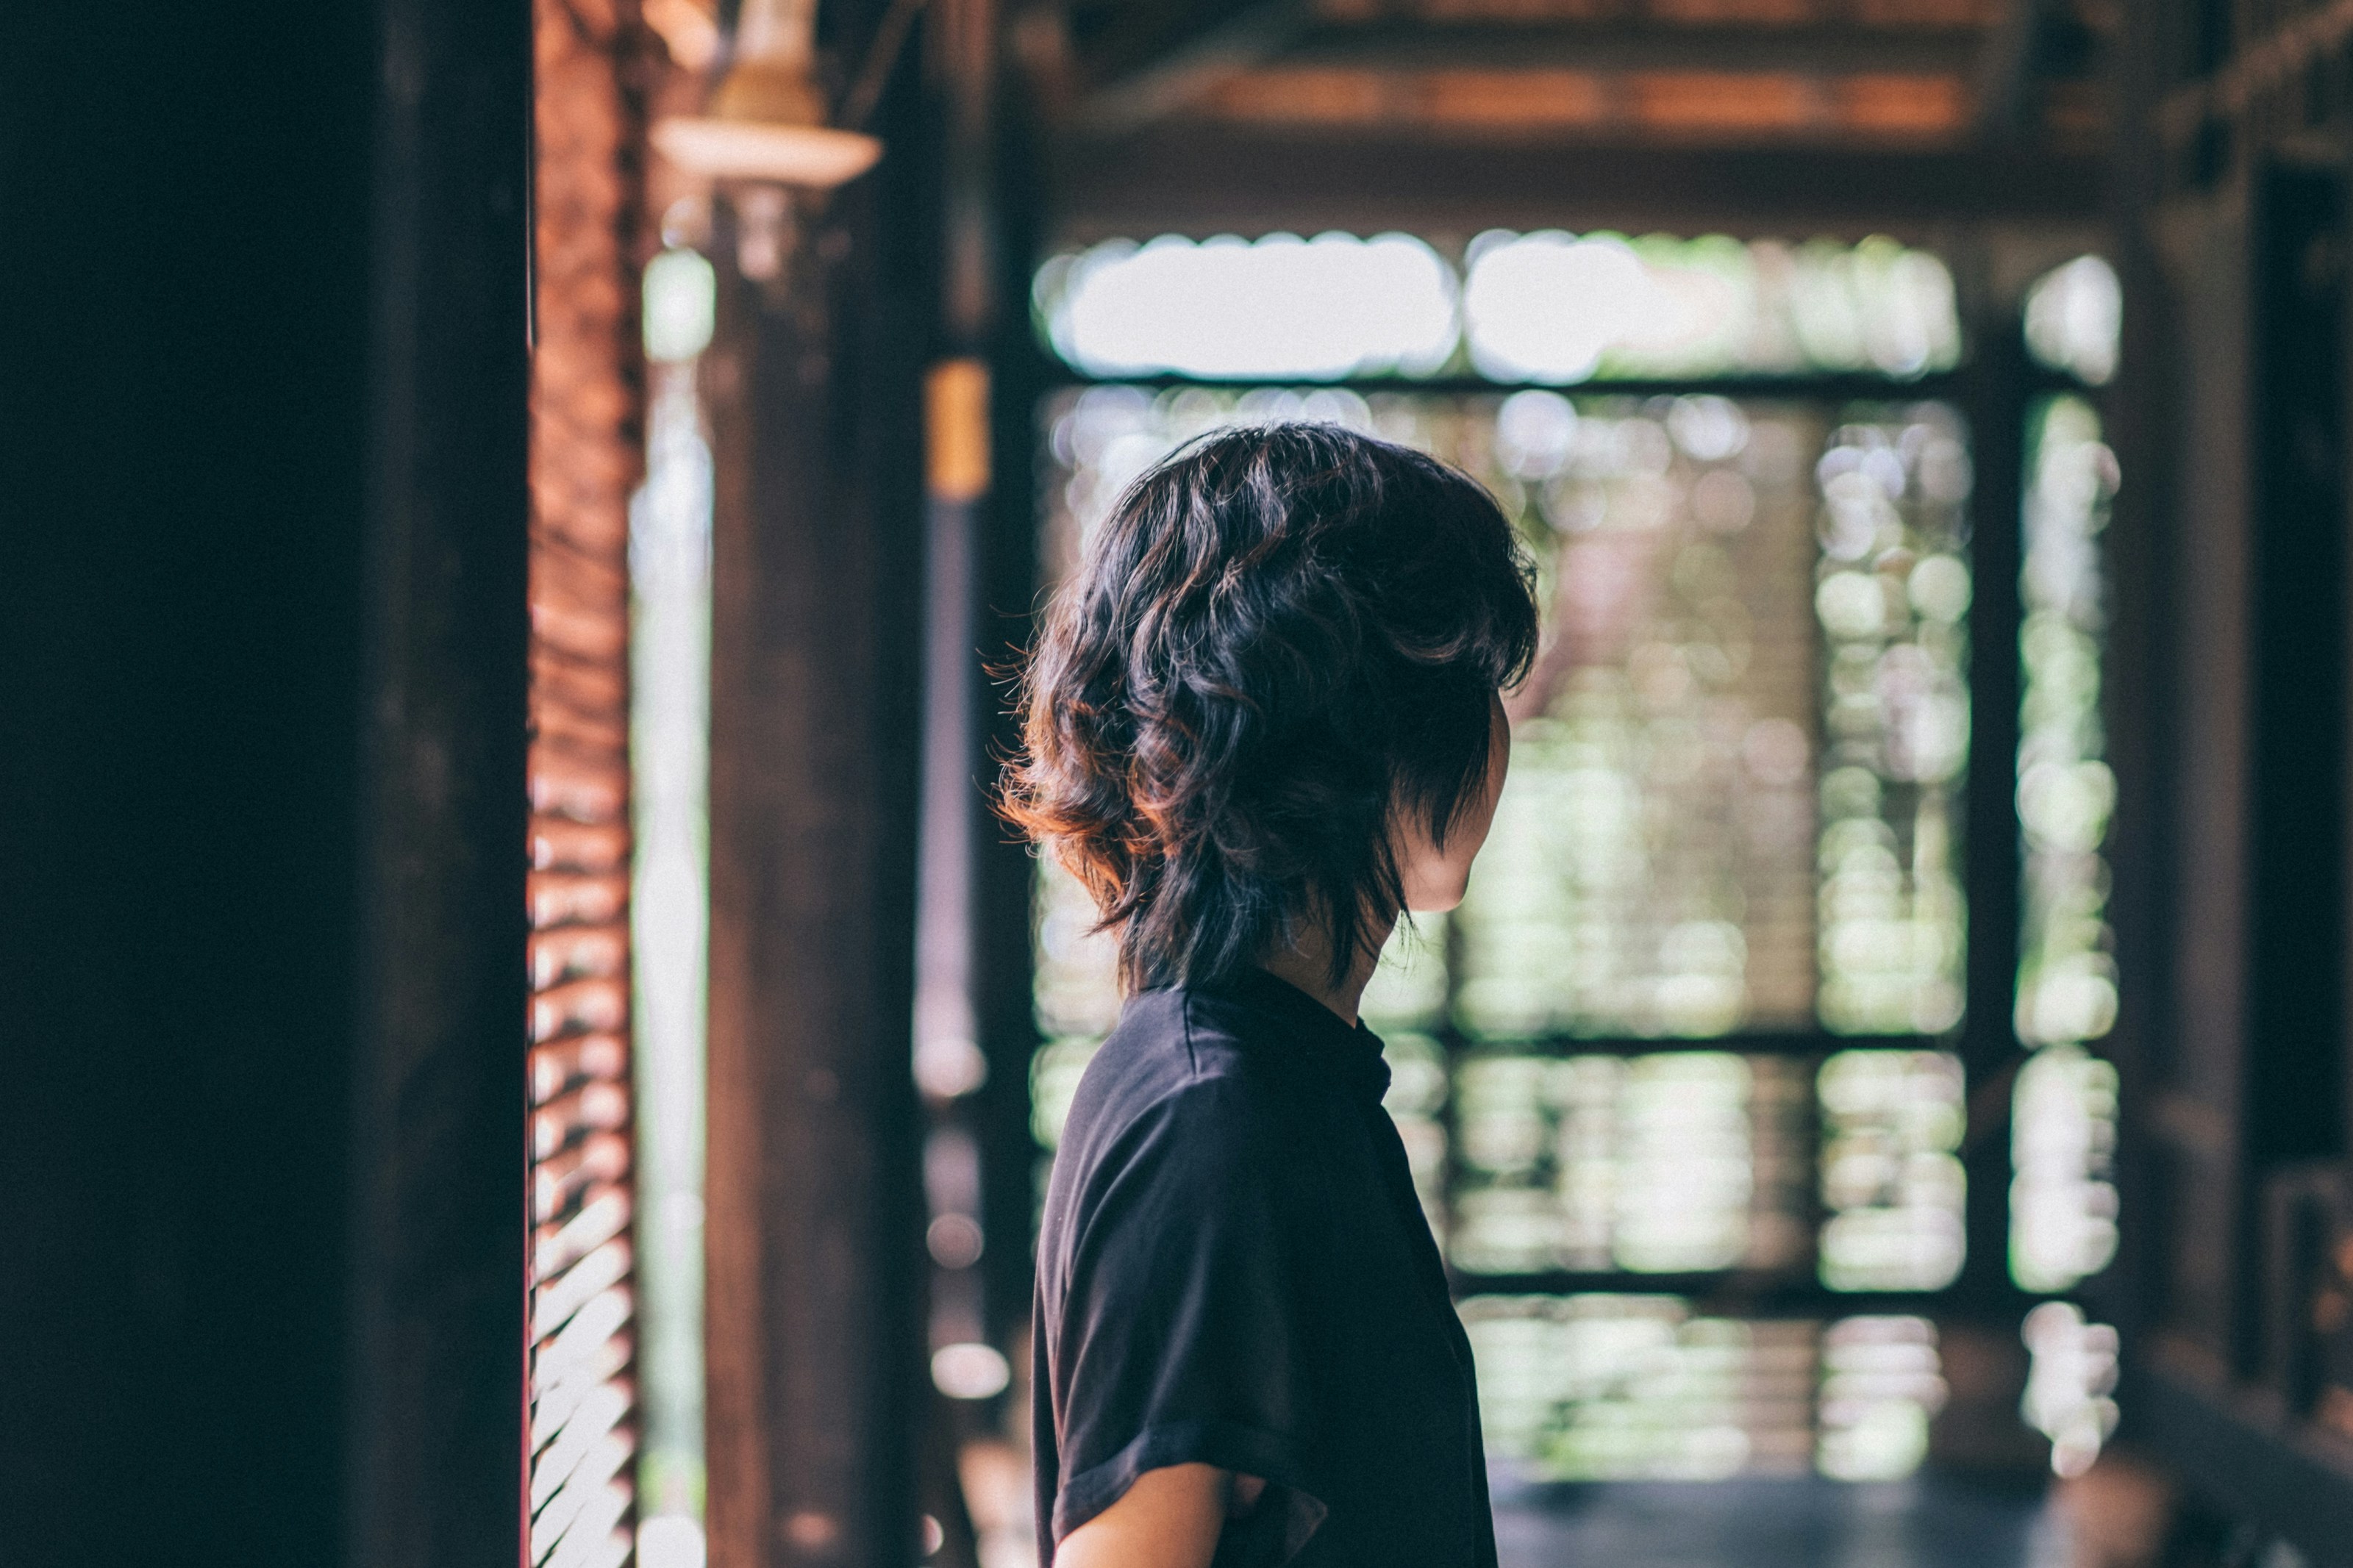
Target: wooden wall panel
{"x": 2195, "y": 1103}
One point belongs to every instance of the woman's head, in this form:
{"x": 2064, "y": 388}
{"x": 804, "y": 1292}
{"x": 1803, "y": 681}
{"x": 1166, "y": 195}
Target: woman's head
{"x": 1269, "y": 694}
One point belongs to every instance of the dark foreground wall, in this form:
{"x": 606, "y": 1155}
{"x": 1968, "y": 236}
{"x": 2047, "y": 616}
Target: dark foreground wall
{"x": 262, "y": 811}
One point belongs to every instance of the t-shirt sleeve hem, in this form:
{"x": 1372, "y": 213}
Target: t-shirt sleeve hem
{"x": 1244, "y": 1450}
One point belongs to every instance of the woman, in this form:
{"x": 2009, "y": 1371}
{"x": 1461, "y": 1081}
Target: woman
{"x": 1262, "y": 723}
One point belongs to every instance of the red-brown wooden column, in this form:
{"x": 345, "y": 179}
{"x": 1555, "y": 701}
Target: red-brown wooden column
{"x": 814, "y": 1227}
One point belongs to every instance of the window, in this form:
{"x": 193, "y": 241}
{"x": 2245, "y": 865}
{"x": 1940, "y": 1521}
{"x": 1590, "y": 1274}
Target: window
{"x": 669, "y": 672}
{"x": 2062, "y": 1197}
{"x": 1695, "y": 1021}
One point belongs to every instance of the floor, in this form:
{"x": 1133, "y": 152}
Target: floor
{"x": 1927, "y": 1523}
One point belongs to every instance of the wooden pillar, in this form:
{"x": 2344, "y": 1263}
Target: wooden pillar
{"x": 2294, "y": 1077}
{"x": 261, "y": 783}
{"x": 1995, "y": 399}
{"x": 1005, "y": 874}
{"x": 435, "y": 1464}
{"x": 2190, "y": 1111}
{"x": 814, "y": 1227}
{"x": 2139, "y": 701}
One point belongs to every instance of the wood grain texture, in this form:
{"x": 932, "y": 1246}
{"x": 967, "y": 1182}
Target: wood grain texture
{"x": 814, "y": 1210}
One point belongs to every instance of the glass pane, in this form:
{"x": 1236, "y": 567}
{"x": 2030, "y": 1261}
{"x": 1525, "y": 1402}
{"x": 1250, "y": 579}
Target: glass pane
{"x": 1322, "y": 308}
{"x": 2066, "y": 973}
{"x": 1667, "y": 1162}
{"x": 1651, "y": 869}
{"x": 1548, "y": 308}
{"x": 1893, "y": 1190}
{"x": 1731, "y": 815}
{"x": 2063, "y": 1125}
{"x": 2074, "y": 319}
{"x": 1557, "y": 308}
{"x": 1892, "y": 592}
{"x": 1631, "y": 1387}
{"x": 669, "y": 749}
{"x": 1724, "y": 582}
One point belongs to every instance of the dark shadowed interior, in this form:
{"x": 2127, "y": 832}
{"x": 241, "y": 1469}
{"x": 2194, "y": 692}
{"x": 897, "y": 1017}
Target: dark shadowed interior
{"x": 524, "y": 1039}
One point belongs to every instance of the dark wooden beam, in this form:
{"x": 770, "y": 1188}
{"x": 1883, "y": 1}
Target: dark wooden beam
{"x": 1997, "y": 389}
{"x": 2294, "y": 1079}
{"x": 1163, "y": 78}
{"x": 1004, "y": 873}
{"x": 1203, "y": 182}
{"x": 261, "y": 783}
{"x": 814, "y": 1239}
{"x": 440, "y": 1141}
{"x": 1118, "y": 40}
{"x": 2008, "y": 66}
{"x": 1814, "y": 49}
{"x": 2187, "y": 1115}
{"x": 2146, "y": 555}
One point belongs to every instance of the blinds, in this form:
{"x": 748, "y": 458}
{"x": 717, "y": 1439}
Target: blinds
{"x": 585, "y": 453}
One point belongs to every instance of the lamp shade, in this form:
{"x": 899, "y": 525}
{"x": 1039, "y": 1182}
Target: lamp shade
{"x": 724, "y": 149}
{"x": 767, "y": 119}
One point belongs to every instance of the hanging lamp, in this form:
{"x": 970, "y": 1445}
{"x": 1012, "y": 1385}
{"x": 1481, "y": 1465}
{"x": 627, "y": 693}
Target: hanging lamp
{"x": 765, "y": 122}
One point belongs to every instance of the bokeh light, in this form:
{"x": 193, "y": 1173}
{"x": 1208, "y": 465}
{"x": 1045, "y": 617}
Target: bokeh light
{"x": 1732, "y": 814}
{"x": 1891, "y": 1185}
{"x": 1891, "y": 590}
{"x": 1548, "y": 308}
{"x": 1642, "y": 1387}
{"x": 2062, "y": 1199}
{"x": 1882, "y": 1385}
{"x": 1322, "y": 308}
{"x": 1650, "y": 871}
{"x": 2066, "y": 974}
{"x": 2069, "y": 1384}
{"x": 1669, "y": 1162}
{"x": 2074, "y": 319}
{"x": 1559, "y": 309}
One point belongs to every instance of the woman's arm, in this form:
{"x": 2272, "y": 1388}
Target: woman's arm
{"x": 1168, "y": 1519}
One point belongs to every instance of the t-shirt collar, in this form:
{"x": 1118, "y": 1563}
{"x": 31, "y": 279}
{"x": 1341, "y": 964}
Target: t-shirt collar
{"x": 1351, "y": 1052}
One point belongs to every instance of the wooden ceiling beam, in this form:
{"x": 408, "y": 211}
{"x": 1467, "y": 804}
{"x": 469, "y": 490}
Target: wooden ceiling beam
{"x": 1918, "y": 13}
{"x": 1629, "y": 45}
{"x": 1564, "y": 108}
{"x": 1117, "y": 42}
{"x": 1206, "y": 180}
{"x": 1126, "y": 93}
{"x": 2007, "y": 71}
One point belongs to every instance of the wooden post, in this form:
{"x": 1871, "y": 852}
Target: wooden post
{"x": 1995, "y": 397}
{"x": 814, "y": 1227}
{"x": 433, "y": 1466}
{"x": 1005, "y": 875}
{"x": 261, "y": 784}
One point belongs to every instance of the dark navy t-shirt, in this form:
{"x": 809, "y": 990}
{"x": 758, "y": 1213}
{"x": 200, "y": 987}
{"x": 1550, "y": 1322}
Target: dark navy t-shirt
{"x": 1234, "y": 1270}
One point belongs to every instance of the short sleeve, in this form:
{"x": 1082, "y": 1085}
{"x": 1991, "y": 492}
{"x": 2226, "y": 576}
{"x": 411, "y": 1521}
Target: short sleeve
{"x": 1176, "y": 1339}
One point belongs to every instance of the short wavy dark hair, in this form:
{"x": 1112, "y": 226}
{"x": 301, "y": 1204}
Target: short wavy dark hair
{"x": 1279, "y": 636}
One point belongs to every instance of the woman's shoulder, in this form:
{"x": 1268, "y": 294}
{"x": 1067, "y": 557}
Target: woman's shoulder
{"x": 1173, "y": 1126}
{"x": 1173, "y": 1060}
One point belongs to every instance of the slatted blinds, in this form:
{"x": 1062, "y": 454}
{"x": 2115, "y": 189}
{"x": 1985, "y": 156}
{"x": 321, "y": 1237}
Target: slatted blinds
{"x": 585, "y": 447}
{"x": 1692, "y": 1023}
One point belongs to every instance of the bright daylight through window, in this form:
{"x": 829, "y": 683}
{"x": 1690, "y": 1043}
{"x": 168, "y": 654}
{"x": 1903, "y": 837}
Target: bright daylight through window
{"x": 1734, "y": 819}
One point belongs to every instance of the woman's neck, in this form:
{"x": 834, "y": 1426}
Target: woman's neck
{"x": 1307, "y": 965}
